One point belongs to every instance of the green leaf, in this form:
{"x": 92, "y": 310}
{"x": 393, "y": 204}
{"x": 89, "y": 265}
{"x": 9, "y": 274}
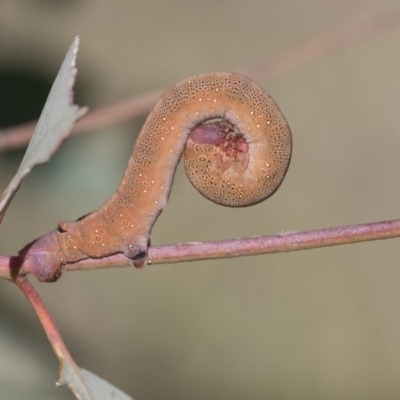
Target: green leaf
{"x": 55, "y": 123}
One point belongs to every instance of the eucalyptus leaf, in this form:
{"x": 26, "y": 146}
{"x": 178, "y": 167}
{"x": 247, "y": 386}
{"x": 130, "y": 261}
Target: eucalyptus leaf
{"x": 55, "y": 123}
{"x": 101, "y": 389}
{"x": 85, "y": 385}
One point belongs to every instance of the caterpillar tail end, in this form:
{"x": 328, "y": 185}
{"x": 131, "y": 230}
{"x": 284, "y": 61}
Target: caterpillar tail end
{"x": 38, "y": 258}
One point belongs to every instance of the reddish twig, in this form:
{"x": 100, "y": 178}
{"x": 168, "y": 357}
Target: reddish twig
{"x": 102, "y": 117}
{"x": 69, "y": 373}
{"x": 45, "y": 318}
{"x": 324, "y": 44}
{"x": 48, "y": 324}
{"x": 284, "y": 242}
{"x": 18, "y": 136}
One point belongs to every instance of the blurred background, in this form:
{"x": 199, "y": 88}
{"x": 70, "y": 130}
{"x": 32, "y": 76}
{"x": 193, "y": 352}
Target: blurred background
{"x": 308, "y": 325}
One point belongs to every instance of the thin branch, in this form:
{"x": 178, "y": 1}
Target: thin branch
{"x": 324, "y": 44}
{"x": 100, "y": 118}
{"x": 284, "y": 242}
{"x": 18, "y": 136}
{"x": 49, "y": 326}
{"x": 69, "y": 373}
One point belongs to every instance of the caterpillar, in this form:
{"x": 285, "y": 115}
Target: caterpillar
{"x": 237, "y": 147}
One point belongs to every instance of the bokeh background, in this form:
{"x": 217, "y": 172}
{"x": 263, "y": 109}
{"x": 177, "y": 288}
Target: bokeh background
{"x": 309, "y": 325}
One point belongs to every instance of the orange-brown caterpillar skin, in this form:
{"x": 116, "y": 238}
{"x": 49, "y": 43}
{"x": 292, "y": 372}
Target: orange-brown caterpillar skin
{"x": 237, "y": 162}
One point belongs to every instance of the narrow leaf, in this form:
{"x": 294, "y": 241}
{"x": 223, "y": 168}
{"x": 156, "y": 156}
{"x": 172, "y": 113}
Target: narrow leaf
{"x": 70, "y": 375}
{"x": 55, "y": 123}
{"x": 98, "y": 388}
{"x": 85, "y": 385}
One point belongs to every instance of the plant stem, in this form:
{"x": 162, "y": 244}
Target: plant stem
{"x": 280, "y": 243}
{"x": 69, "y": 373}
{"x": 18, "y": 136}
{"x": 45, "y": 319}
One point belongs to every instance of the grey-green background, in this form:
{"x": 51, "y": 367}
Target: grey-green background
{"x": 320, "y": 324}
